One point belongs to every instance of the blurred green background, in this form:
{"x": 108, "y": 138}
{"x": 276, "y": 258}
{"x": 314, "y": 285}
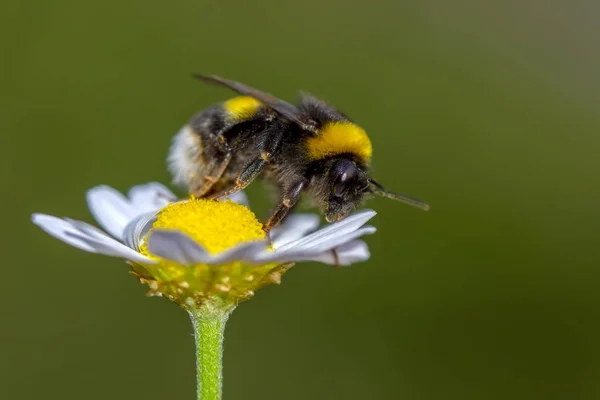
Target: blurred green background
{"x": 490, "y": 111}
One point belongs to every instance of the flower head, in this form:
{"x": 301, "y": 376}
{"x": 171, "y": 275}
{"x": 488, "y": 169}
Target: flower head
{"x": 195, "y": 250}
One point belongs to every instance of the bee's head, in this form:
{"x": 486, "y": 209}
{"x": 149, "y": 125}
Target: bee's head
{"x": 340, "y": 185}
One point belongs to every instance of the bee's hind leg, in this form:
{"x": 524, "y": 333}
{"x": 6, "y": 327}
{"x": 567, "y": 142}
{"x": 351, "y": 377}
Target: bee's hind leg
{"x": 213, "y": 174}
{"x": 267, "y": 148}
{"x": 250, "y": 172}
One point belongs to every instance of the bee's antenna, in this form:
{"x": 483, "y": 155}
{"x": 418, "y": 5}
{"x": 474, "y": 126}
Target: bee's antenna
{"x": 381, "y": 191}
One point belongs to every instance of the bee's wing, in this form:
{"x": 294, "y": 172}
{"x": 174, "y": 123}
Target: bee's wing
{"x": 282, "y": 107}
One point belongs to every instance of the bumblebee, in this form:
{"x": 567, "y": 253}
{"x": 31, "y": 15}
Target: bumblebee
{"x": 310, "y": 148}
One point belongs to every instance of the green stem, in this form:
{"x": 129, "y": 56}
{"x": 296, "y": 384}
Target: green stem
{"x": 209, "y": 326}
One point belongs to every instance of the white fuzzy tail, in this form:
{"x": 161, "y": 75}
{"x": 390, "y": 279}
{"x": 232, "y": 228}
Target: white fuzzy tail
{"x": 184, "y": 159}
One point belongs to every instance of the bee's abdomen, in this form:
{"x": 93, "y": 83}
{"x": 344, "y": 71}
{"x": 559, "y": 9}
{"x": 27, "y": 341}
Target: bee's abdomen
{"x": 187, "y": 155}
{"x": 200, "y": 143}
{"x": 185, "y": 160}
{"x": 219, "y": 118}
{"x": 210, "y": 122}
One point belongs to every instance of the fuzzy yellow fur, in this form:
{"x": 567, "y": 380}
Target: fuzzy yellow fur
{"x": 242, "y": 107}
{"x": 338, "y": 138}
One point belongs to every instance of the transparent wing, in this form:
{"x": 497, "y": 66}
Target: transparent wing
{"x": 282, "y": 107}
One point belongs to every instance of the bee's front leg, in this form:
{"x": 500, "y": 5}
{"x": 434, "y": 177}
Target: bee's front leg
{"x": 290, "y": 198}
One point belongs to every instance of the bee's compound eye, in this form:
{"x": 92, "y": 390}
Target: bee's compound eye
{"x": 339, "y": 188}
{"x": 345, "y": 176}
{"x": 345, "y": 171}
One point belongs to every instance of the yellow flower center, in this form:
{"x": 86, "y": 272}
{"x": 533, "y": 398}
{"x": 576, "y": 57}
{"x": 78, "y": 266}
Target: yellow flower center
{"x": 216, "y": 225}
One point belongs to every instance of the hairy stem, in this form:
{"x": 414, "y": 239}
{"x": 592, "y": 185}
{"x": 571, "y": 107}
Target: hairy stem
{"x": 209, "y": 322}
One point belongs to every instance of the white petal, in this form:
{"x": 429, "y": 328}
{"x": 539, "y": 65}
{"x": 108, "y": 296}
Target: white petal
{"x": 150, "y": 197}
{"x": 293, "y": 228}
{"x": 86, "y": 237}
{"x": 350, "y": 253}
{"x": 59, "y": 228}
{"x": 337, "y": 229}
{"x": 111, "y": 209}
{"x": 176, "y": 246}
{"x": 137, "y": 229}
{"x": 246, "y": 252}
{"x": 332, "y": 241}
{"x": 347, "y": 254}
{"x": 239, "y": 197}
{"x": 320, "y": 251}
{"x": 103, "y": 243}
{"x": 113, "y": 248}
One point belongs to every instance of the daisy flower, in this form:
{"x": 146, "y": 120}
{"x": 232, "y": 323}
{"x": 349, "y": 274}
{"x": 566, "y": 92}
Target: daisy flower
{"x": 197, "y": 249}
{"x": 205, "y": 255}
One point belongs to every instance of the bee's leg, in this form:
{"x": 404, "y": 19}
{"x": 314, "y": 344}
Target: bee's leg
{"x": 254, "y": 168}
{"x": 289, "y": 200}
{"x": 221, "y": 143}
{"x": 213, "y": 175}
{"x": 227, "y": 142}
{"x": 250, "y": 172}
{"x": 270, "y": 145}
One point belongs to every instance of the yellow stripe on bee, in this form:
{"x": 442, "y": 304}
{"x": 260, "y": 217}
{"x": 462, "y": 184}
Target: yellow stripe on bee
{"x": 241, "y": 108}
{"x": 338, "y": 138}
